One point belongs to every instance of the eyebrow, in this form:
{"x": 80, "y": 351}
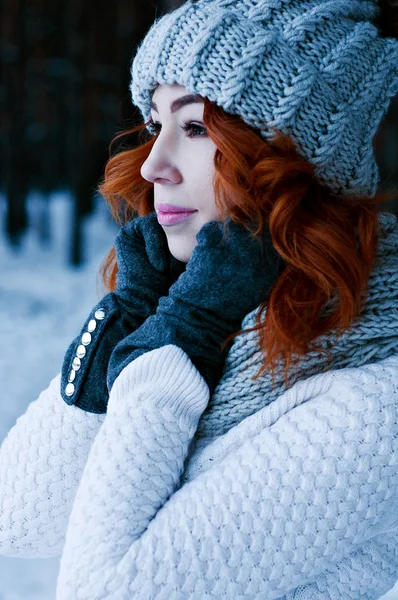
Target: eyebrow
{"x": 180, "y": 102}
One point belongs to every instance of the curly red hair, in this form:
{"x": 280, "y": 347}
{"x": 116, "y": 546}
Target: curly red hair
{"x": 328, "y": 242}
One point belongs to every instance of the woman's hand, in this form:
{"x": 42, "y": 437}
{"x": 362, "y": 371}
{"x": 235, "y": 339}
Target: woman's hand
{"x": 226, "y": 278}
{"x": 146, "y": 266}
{"x": 146, "y": 271}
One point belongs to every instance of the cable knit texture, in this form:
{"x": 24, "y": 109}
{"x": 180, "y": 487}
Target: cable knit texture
{"x": 317, "y": 70}
{"x": 41, "y": 464}
{"x": 374, "y": 337}
{"x": 306, "y": 503}
{"x": 289, "y": 495}
{"x": 293, "y": 496}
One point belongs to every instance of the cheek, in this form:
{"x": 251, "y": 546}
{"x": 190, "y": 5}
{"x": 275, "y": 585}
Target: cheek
{"x": 204, "y": 176}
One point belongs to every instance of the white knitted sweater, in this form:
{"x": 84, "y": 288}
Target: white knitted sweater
{"x": 299, "y": 501}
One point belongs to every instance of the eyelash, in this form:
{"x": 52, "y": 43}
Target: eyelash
{"x": 188, "y": 126}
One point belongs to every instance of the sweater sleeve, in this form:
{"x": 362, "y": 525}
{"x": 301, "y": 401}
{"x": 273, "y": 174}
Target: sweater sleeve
{"x": 269, "y": 517}
{"x": 41, "y": 463}
{"x": 366, "y": 574}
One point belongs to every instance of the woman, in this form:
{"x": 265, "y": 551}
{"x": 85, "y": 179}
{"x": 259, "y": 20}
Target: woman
{"x": 177, "y": 456}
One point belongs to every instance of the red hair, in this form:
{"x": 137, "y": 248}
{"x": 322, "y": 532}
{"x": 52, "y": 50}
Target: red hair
{"x": 328, "y": 242}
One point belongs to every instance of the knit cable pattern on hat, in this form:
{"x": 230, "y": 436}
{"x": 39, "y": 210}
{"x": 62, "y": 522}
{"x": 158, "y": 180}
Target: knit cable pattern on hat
{"x": 317, "y": 70}
{"x": 373, "y": 338}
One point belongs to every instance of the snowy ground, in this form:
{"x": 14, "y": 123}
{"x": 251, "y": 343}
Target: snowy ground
{"x": 42, "y": 307}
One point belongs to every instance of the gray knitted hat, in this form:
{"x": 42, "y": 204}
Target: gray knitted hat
{"x": 317, "y": 70}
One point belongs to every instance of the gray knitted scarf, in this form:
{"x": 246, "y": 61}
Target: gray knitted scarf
{"x": 374, "y": 338}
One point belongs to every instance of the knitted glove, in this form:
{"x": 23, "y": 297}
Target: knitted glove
{"x": 146, "y": 271}
{"x": 224, "y": 280}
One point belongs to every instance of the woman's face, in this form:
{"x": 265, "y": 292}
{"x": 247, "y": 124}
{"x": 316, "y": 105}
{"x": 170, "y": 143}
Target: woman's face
{"x": 181, "y": 166}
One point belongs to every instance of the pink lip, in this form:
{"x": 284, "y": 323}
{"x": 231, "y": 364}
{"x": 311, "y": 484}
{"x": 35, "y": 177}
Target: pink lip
{"x": 168, "y": 218}
{"x": 173, "y": 208}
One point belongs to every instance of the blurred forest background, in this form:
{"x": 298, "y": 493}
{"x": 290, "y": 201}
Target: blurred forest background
{"x": 64, "y": 95}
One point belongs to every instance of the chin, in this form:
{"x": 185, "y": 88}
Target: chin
{"x": 181, "y": 249}
{"x": 181, "y": 258}
{"x": 181, "y": 255}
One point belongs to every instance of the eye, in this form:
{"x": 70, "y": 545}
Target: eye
{"x": 154, "y": 128}
{"x": 194, "y": 129}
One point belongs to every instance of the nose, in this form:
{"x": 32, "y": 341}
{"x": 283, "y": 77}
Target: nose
{"x": 159, "y": 166}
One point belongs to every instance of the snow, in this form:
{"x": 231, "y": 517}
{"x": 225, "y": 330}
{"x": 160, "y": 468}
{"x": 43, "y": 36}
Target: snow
{"x": 43, "y": 304}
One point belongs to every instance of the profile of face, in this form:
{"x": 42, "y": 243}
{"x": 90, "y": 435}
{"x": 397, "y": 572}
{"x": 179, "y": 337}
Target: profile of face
{"x": 181, "y": 166}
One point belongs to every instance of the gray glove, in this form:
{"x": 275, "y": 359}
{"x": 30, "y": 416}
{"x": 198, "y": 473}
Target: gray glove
{"x": 146, "y": 271}
{"x": 225, "y": 279}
